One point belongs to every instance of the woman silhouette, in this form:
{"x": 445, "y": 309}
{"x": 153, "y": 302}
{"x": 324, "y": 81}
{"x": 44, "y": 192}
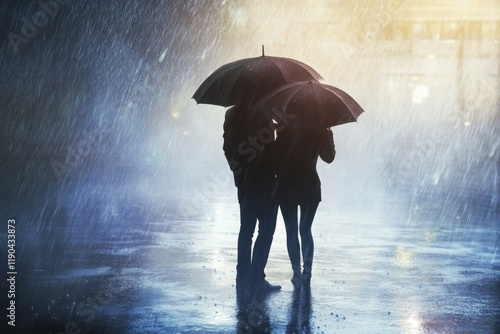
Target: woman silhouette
{"x": 298, "y": 185}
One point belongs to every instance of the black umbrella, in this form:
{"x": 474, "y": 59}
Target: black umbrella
{"x": 251, "y": 78}
{"x": 310, "y": 105}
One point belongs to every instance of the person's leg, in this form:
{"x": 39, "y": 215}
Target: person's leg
{"x": 289, "y": 212}
{"x": 267, "y": 225}
{"x": 248, "y": 220}
{"x": 307, "y": 213}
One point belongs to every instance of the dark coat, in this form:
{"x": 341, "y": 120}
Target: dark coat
{"x": 296, "y": 155}
{"x": 248, "y": 149}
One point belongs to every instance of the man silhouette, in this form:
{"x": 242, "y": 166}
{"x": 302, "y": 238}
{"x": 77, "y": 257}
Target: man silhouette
{"x": 249, "y": 157}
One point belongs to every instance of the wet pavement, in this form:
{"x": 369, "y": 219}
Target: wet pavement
{"x": 384, "y": 273}
{"x": 126, "y": 212}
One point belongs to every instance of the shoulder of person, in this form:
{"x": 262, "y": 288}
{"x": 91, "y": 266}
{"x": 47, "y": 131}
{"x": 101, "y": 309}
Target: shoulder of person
{"x": 231, "y": 112}
{"x": 230, "y": 118}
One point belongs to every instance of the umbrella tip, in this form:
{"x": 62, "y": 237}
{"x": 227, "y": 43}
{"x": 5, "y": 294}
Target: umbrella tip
{"x": 263, "y": 50}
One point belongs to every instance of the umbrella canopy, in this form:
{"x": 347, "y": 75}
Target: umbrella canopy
{"x": 251, "y": 78}
{"x": 310, "y": 105}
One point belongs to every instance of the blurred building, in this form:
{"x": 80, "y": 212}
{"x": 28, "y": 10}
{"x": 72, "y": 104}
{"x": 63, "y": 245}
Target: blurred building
{"x": 432, "y": 69}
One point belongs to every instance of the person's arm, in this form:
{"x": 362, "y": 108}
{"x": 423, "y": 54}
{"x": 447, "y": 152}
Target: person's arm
{"x": 327, "y": 151}
{"x": 229, "y": 140}
{"x": 226, "y": 147}
{"x": 230, "y": 147}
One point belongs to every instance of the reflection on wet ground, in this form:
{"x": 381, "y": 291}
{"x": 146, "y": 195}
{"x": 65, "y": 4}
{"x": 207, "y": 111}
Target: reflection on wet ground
{"x": 371, "y": 275}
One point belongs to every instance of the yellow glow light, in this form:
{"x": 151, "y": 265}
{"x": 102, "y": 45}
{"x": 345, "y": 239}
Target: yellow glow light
{"x": 403, "y": 257}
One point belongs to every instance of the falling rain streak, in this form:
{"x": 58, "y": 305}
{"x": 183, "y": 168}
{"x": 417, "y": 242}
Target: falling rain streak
{"x": 126, "y": 211}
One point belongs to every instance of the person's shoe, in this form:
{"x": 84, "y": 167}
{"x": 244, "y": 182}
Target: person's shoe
{"x": 265, "y": 286}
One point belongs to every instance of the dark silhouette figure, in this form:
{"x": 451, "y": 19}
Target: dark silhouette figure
{"x": 248, "y": 144}
{"x": 298, "y": 185}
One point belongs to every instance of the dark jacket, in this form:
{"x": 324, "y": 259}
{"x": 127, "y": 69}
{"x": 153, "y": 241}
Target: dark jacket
{"x": 297, "y": 153}
{"x": 248, "y": 145}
